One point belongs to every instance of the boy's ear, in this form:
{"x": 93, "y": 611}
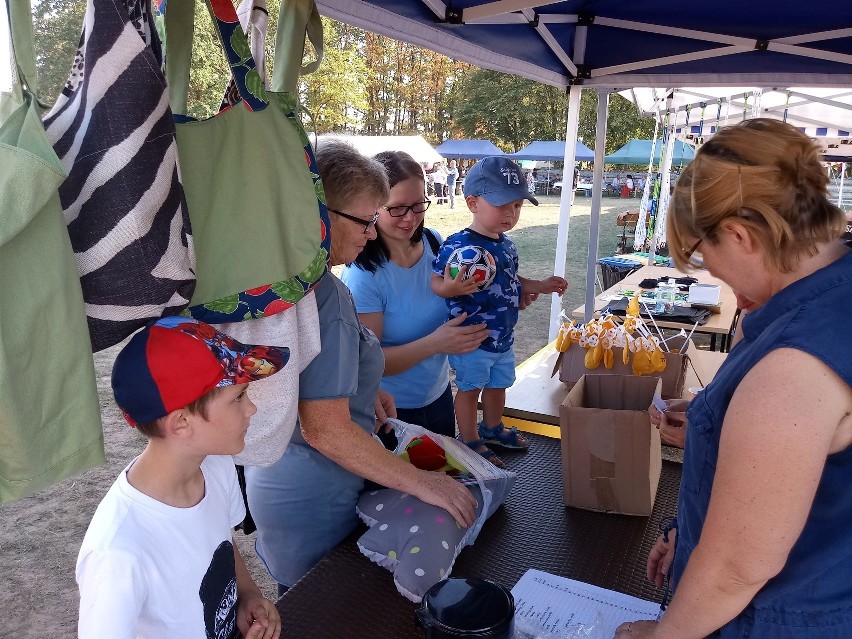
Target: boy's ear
{"x": 176, "y": 423}
{"x": 471, "y": 202}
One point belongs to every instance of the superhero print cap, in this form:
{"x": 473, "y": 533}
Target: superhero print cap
{"x": 174, "y": 361}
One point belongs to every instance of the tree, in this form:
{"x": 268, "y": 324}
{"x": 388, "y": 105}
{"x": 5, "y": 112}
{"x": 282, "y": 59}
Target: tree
{"x": 512, "y": 112}
{"x": 334, "y": 95}
{"x": 57, "y": 25}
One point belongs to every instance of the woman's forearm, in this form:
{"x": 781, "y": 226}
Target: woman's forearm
{"x": 709, "y": 594}
{"x": 399, "y": 359}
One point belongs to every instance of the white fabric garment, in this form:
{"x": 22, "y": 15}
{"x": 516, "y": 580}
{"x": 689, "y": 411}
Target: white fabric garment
{"x": 277, "y": 397}
{"x": 151, "y": 571}
{"x": 254, "y": 18}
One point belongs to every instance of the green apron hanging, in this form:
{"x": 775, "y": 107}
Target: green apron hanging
{"x": 50, "y": 426}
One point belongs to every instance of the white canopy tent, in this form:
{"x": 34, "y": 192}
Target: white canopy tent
{"x": 415, "y": 145}
{"x": 612, "y": 46}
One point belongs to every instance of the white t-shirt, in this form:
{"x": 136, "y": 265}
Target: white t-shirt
{"x": 149, "y": 570}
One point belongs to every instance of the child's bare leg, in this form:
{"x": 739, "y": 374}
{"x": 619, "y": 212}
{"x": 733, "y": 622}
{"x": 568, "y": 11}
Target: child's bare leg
{"x": 465, "y": 404}
{"x": 493, "y": 402}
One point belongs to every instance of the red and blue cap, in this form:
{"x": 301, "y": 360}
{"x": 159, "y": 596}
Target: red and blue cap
{"x": 176, "y": 360}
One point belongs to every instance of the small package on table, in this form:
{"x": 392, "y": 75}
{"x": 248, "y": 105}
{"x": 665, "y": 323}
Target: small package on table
{"x": 611, "y": 456}
{"x": 705, "y": 294}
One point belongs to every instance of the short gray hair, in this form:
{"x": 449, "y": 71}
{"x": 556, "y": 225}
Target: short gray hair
{"x": 347, "y": 174}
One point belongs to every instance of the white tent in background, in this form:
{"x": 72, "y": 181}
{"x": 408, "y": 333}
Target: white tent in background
{"x": 370, "y": 145}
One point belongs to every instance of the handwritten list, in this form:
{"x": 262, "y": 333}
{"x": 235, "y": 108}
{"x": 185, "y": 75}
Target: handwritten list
{"x": 557, "y": 604}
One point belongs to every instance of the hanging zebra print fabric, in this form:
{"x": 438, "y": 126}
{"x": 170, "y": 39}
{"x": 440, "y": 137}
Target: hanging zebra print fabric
{"x": 123, "y": 202}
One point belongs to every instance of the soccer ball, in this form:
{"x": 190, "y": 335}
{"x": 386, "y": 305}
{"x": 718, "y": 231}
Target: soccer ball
{"x": 479, "y": 262}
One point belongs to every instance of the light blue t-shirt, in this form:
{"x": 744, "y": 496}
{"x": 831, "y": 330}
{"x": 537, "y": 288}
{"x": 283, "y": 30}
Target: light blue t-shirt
{"x": 411, "y": 311}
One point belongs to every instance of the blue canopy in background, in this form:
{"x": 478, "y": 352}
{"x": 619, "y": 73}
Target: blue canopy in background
{"x": 473, "y": 149}
{"x": 639, "y": 152}
{"x": 553, "y": 151}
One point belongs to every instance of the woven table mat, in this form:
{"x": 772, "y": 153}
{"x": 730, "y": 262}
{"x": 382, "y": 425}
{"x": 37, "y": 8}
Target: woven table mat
{"x": 347, "y": 596}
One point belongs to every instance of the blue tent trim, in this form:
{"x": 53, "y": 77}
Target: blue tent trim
{"x": 464, "y": 149}
{"x": 654, "y": 43}
{"x": 552, "y": 151}
{"x": 639, "y": 152}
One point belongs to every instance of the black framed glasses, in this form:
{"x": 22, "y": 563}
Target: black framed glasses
{"x": 367, "y": 224}
{"x": 692, "y": 258}
{"x": 417, "y": 208}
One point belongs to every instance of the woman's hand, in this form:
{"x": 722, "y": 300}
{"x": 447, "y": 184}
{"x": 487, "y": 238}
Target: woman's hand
{"x": 453, "y": 339}
{"x": 660, "y": 559}
{"x": 443, "y": 491}
{"x": 673, "y": 428}
{"x": 385, "y": 408}
{"x": 672, "y": 423}
{"x": 635, "y": 630}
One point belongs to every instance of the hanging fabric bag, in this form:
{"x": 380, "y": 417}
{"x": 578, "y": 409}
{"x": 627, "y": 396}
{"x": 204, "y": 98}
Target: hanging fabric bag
{"x": 50, "y": 426}
{"x": 123, "y": 202}
{"x": 255, "y": 200}
{"x": 277, "y": 397}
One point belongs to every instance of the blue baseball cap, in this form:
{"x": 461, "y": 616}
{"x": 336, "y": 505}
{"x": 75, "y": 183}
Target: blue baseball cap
{"x": 498, "y": 180}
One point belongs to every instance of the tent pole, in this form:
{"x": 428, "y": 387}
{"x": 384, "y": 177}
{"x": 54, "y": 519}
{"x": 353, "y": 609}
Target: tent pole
{"x": 597, "y": 195}
{"x": 840, "y": 191}
{"x": 565, "y": 203}
{"x": 665, "y": 181}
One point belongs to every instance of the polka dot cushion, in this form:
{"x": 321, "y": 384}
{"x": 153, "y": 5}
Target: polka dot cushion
{"x": 416, "y": 541}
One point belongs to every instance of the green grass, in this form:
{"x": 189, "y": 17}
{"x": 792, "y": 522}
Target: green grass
{"x": 535, "y": 237}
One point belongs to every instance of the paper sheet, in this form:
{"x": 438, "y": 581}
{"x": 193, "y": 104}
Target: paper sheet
{"x": 558, "y": 603}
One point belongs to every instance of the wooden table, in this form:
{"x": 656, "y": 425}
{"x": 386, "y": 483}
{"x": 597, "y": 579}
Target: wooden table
{"x": 719, "y": 323}
{"x": 532, "y": 403}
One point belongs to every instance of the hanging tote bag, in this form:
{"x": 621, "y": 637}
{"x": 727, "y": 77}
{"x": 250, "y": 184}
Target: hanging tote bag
{"x": 50, "y": 426}
{"x": 276, "y": 398}
{"x": 123, "y": 202}
{"x": 257, "y": 207}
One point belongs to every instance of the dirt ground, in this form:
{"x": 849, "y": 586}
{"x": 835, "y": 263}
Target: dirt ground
{"x": 41, "y": 535}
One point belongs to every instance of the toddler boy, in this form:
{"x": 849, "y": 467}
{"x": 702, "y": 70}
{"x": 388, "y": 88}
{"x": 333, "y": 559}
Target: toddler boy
{"x": 494, "y": 191}
{"x": 158, "y": 559}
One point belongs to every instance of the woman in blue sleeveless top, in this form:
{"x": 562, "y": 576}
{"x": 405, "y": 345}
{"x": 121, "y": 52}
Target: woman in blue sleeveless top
{"x": 764, "y": 543}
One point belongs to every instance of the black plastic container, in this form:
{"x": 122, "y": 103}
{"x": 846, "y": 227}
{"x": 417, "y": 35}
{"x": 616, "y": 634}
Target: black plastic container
{"x": 469, "y": 608}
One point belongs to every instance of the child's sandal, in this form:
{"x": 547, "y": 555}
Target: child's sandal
{"x": 502, "y": 436}
{"x": 487, "y": 454}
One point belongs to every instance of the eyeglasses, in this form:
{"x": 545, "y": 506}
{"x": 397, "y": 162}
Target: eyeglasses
{"x": 368, "y": 225}
{"x": 417, "y": 208}
{"x": 693, "y": 259}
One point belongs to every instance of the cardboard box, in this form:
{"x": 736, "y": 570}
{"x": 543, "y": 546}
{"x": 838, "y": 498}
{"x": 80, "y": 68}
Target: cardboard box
{"x": 572, "y": 367}
{"x": 611, "y": 456}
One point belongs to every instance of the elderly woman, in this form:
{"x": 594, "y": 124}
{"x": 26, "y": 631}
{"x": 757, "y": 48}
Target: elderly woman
{"x": 304, "y": 504}
{"x": 763, "y": 543}
{"x": 390, "y": 283}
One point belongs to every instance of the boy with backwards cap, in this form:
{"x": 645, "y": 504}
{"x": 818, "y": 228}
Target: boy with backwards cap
{"x": 158, "y": 559}
{"x": 494, "y": 190}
